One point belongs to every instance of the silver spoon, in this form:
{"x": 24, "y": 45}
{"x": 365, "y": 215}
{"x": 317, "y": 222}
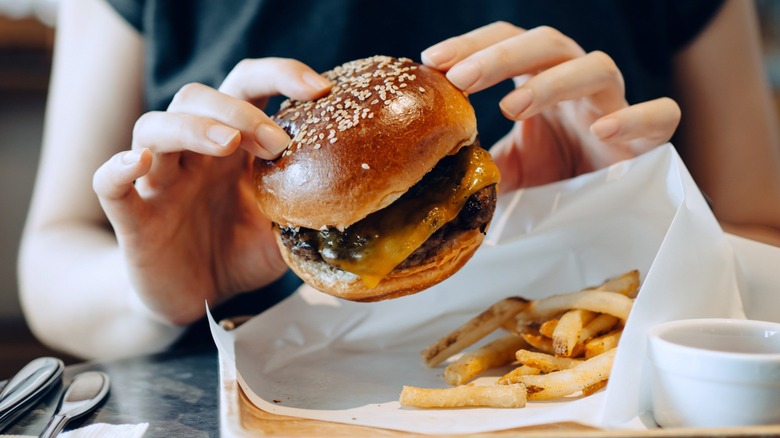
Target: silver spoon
{"x": 84, "y": 393}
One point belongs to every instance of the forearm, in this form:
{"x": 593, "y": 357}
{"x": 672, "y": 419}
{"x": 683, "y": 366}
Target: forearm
{"x": 729, "y": 130}
{"x": 765, "y": 234}
{"x": 77, "y": 296}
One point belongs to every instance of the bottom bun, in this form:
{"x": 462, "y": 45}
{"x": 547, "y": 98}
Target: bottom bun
{"x": 447, "y": 260}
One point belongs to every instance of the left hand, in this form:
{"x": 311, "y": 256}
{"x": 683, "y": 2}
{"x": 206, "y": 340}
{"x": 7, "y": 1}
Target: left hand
{"x": 569, "y": 106}
{"x": 182, "y": 201}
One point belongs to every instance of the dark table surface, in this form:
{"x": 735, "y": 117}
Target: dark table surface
{"x": 177, "y": 393}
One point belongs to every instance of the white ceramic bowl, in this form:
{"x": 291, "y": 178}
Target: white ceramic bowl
{"x": 715, "y": 373}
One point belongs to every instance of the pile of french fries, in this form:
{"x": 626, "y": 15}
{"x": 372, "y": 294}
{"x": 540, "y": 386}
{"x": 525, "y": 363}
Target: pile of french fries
{"x": 562, "y": 345}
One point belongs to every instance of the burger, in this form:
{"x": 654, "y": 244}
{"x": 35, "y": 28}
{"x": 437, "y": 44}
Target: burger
{"x": 384, "y": 190}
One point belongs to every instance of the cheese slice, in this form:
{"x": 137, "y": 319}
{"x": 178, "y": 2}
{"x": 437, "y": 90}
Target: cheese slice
{"x": 374, "y": 246}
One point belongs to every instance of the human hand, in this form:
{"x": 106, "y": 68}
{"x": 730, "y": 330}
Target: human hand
{"x": 569, "y": 106}
{"x": 182, "y": 200}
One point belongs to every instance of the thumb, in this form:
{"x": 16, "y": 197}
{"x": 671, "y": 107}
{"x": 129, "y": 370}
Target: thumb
{"x": 113, "y": 183}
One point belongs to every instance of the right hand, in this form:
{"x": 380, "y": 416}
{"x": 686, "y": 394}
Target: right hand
{"x": 182, "y": 201}
{"x": 569, "y": 107}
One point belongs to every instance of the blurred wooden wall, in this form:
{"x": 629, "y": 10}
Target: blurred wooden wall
{"x": 25, "y": 54}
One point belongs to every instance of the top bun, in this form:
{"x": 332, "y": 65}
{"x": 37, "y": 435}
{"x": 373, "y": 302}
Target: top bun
{"x": 383, "y": 126}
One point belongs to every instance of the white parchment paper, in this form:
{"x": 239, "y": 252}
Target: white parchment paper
{"x": 318, "y": 357}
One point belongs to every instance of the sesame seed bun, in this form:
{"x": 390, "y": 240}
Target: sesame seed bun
{"x": 384, "y": 126}
{"x": 365, "y": 144}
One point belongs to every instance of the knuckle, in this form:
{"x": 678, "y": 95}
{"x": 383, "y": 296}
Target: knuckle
{"x": 287, "y": 63}
{"x": 505, "y": 26}
{"x": 243, "y": 65}
{"x": 605, "y": 61}
{"x": 671, "y": 103}
{"x": 553, "y": 35}
{"x": 607, "y": 67}
{"x": 141, "y": 124}
{"x": 233, "y": 113}
{"x": 558, "y": 41}
{"x": 186, "y": 92}
{"x": 503, "y": 54}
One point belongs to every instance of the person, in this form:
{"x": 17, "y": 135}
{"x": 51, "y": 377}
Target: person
{"x": 160, "y": 107}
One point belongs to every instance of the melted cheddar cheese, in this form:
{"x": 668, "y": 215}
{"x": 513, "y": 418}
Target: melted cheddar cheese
{"x": 374, "y": 246}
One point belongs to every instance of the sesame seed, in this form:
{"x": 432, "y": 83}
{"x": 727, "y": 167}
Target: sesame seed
{"x": 365, "y": 166}
{"x": 357, "y": 86}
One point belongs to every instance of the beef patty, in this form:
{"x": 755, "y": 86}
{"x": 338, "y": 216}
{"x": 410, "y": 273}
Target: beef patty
{"x": 476, "y": 213}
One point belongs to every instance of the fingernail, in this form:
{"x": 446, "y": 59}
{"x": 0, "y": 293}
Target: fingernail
{"x": 221, "y": 134}
{"x": 318, "y": 82}
{"x": 605, "y": 128}
{"x": 516, "y": 102}
{"x": 438, "y": 55}
{"x": 464, "y": 75}
{"x": 272, "y": 137}
{"x": 132, "y": 156}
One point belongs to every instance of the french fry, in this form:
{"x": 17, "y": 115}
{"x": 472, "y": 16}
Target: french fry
{"x": 546, "y": 363}
{"x": 564, "y": 345}
{"x": 567, "y": 330}
{"x": 594, "y": 300}
{"x": 594, "y": 388}
{"x": 511, "y": 326}
{"x": 539, "y": 342}
{"x": 547, "y": 328}
{"x": 494, "y": 354}
{"x": 565, "y": 382}
{"x": 494, "y": 396}
{"x": 514, "y": 375}
{"x": 597, "y": 346}
{"x": 596, "y": 327}
{"x": 472, "y": 331}
{"x": 626, "y": 284}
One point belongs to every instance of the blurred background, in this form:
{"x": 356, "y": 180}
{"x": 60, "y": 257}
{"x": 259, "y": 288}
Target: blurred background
{"x": 26, "y": 39}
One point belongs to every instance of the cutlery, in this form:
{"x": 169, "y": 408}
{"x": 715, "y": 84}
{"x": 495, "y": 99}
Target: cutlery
{"x": 27, "y": 387}
{"x": 84, "y": 394}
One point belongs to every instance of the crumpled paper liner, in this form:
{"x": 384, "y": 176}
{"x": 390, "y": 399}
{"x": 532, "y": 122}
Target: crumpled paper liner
{"x": 314, "y": 356}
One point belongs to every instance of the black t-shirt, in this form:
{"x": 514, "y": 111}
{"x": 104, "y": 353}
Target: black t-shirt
{"x": 202, "y": 40}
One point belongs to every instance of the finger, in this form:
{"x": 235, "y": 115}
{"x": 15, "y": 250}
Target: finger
{"x": 445, "y": 54}
{"x": 166, "y": 132}
{"x": 259, "y": 134}
{"x": 594, "y": 76}
{"x": 113, "y": 184}
{"x": 649, "y": 124}
{"x": 527, "y": 52}
{"x": 254, "y": 79}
